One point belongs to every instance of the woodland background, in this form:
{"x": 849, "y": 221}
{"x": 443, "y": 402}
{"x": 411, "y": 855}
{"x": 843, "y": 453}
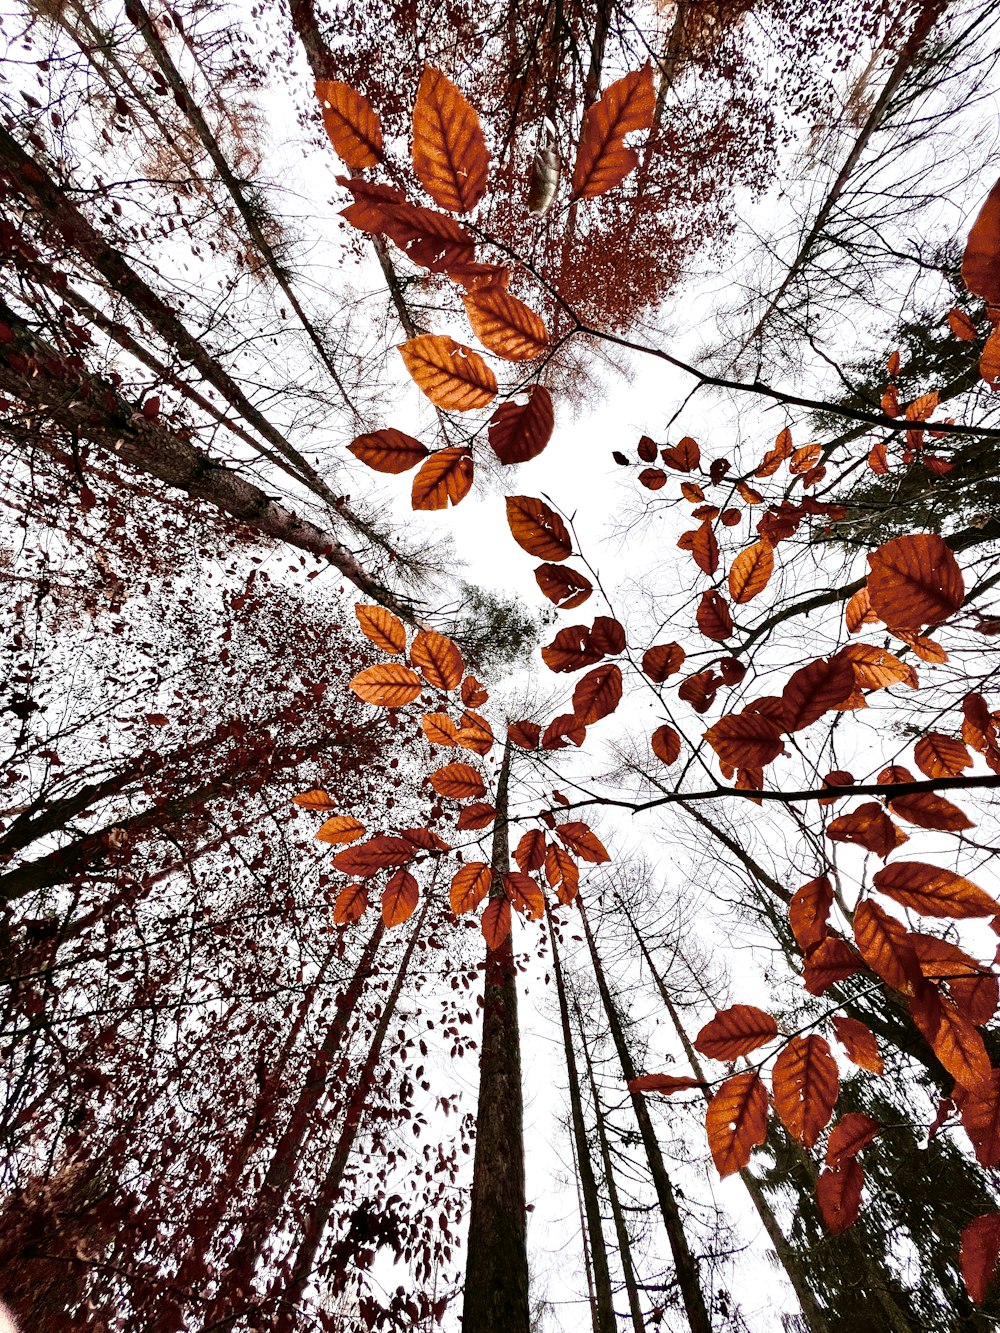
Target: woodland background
{"x": 234, "y": 1098}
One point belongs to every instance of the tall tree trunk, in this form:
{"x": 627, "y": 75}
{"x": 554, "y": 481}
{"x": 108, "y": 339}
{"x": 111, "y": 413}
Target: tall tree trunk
{"x": 287, "y": 1153}
{"x": 621, "y": 1230}
{"x": 685, "y": 1266}
{"x": 496, "y": 1274}
{"x": 604, "y": 1312}
{"x": 302, "y": 1266}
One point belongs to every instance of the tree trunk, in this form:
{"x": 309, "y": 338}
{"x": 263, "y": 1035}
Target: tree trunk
{"x": 496, "y": 1274}
{"x": 685, "y": 1266}
{"x": 604, "y": 1313}
{"x": 621, "y": 1230}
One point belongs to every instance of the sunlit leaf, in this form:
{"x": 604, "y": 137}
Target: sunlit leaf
{"x": 452, "y": 376}
{"x": 438, "y": 658}
{"x": 581, "y": 840}
{"x": 538, "y": 529}
{"x": 449, "y": 149}
{"x": 602, "y": 159}
{"x": 736, "y": 1122}
{"x": 750, "y": 572}
{"x": 735, "y": 1031}
{"x": 469, "y": 886}
{"x": 805, "y": 1085}
{"x": 351, "y": 123}
{"x": 505, "y": 325}
{"x": 340, "y": 829}
{"x": 445, "y": 478}
{"x": 387, "y": 685}
{"x": 399, "y": 898}
{"x": 389, "y": 451}
{"x": 385, "y": 630}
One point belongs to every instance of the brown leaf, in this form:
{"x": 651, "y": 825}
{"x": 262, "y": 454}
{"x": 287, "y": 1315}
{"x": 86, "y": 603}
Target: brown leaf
{"x": 389, "y": 451}
{"x": 940, "y": 756}
{"x": 884, "y": 944}
{"x": 478, "y": 815}
{"x": 438, "y": 659}
{"x": 385, "y": 630}
{"x": 662, "y": 660}
{"x": 915, "y": 581}
{"x": 566, "y": 587}
{"x": 387, "y": 685}
{"x": 446, "y": 478}
{"x": 852, "y": 1132}
{"x": 981, "y": 261}
{"x": 598, "y": 693}
{"x": 505, "y": 325}
{"x": 876, "y": 669}
{"x": 838, "y": 1194}
{"x": 954, "y": 1040}
{"x": 830, "y": 961}
{"x": 449, "y": 149}
{"x": 524, "y": 734}
{"x": 713, "y": 617}
{"x": 859, "y": 611}
{"x": 750, "y": 572}
{"x": 316, "y": 799}
{"x": 745, "y": 740}
{"x": 473, "y": 694}
{"x": 538, "y": 529}
{"x": 705, "y": 549}
{"x": 934, "y": 891}
{"x": 805, "y": 1085}
{"x": 653, "y": 478}
{"x": 351, "y": 903}
{"x": 736, "y": 1122}
{"x": 461, "y": 782}
{"x": 525, "y": 895}
{"x": 469, "y": 886}
{"x": 351, "y": 123}
{"x": 520, "y": 431}
{"x": 581, "y": 840}
{"x": 809, "y": 911}
{"x": 439, "y": 729}
{"x": 368, "y": 858}
{"x": 980, "y": 1248}
{"x": 399, "y": 898}
{"x": 340, "y": 829}
{"x": 602, "y": 160}
{"x": 980, "y": 1113}
{"x": 452, "y": 376}
{"x": 571, "y": 649}
{"x": 666, "y": 744}
{"x": 496, "y": 923}
{"x": 815, "y": 689}
{"x": 684, "y": 456}
{"x": 962, "y": 326}
{"x": 868, "y": 826}
{"x": 973, "y": 986}
{"x": 607, "y": 635}
{"x": 928, "y": 810}
{"x": 530, "y": 851}
{"x": 735, "y": 1031}
{"x": 475, "y": 733}
{"x": 665, "y": 1083}
{"x": 859, "y": 1043}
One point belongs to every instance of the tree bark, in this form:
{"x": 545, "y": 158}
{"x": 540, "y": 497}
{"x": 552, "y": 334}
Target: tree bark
{"x": 685, "y": 1265}
{"x": 604, "y": 1312}
{"x": 496, "y": 1274}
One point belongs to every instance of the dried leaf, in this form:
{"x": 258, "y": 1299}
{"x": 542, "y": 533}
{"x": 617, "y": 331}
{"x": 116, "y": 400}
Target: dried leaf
{"x": 316, "y": 799}
{"x": 598, "y": 693}
{"x": 505, "y": 325}
{"x": 449, "y": 149}
{"x": 735, "y": 1031}
{"x": 852, "y": 1132}
{"x": 385, "y": 630}
{"x": 838, "y": 1194}
{"x": 538, "y": 529}
{"x": 666, "y": 744}
{"x": 496, "y": 923}
{"x": 805, "y": 1085}
{"x": 602, "y": 160}
{"x": 809, "y": 911}
{"x": 340, "y": 829}
{"x": 750, "y": 572}
{"x": 446, "y": 478}
{"x": 566, "y": 587}
{"x": 438, "y": 658}
{"x": 736, "y": 1122}
{"x": 399, "y": 898}
{"x": 980, "y": 1251}
{"x": 581, "y": 840}
{"x": 439, "y": 729}
{"x": 662, "y": 661}
{"x": 352, "y": 900}
{"x": 461, "y": 782}
{"x": 389, "y": 451}
{"x": 665, "y": 1083}
{"x": 859, "y": 1043}
{"x": 351, "y": 123}
{"x": 713, "y": 617}
{"x": 520, "y": 431}
{"x": 387, "y": 685}
{"x": 745, "y": 740}
{"x": 469, "y": 886}
{"x": 934, "y": 891}
{"x": 915, "y": 581}
{"x": 452, "y": 376}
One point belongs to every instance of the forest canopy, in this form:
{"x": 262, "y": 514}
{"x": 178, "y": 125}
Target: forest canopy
{"x": 501, "y": 711}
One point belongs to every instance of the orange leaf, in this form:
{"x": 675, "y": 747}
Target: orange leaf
{"x": 566, "y": 587}
{"x": 814, "y": 689}
{"x": 884, "y": 944}
{"x": 980, "y": 1252}
{"x": 504, "y": 324}
{"x": 876, "y": 669}
{"x": 520, "y": 431}
{"x": 602, "y": 160}
{"x": 385, "y": 630}
{"x": 859, "y": 611}
{"x": 838, "y": 1194}
{"x": 666, "y": 744}
{"x": 473, "y": 694}
{"x": 469, "y": 886}
{"x": 736, "y": 1031}
{"x": 928, "y": 810}
{"x": 351, "y": 123}
{"x": 525, "y": 895}
{"x": 914, "y": 581}
{"x": 399, "y": 898}
{"x": 438, "y": 659}
{"x": 693, "y": 492}
{"x": 850, "y": 1134}
{"x": 868, "y": 826}
{"x": 439, "y": 729}
{"x": 934, "y": 891}
{"x": 530, "y": 851}
{"x": 805, "y": 458}
{"x": 340, "y": 829}
{"x": 524, "y": 734}
{"x": 662, "y": 661}
{"x": 962, "y": 326}
{"x": 713, "y": 617}
{"x": 830, "y": 961}
{"x": 745, "y": 740}
{"x": 388, "y": 451}
{"x": 981, "y": 261}
{"x": 449, "y": 149}
{"x": 954, "y": 1040}
{"x": 860, "y": 1044}
{"x": 351, "y": 903}
{"x": 736, "y": 1122}
{"x": 379, "y": 853}
{"x": 427, "y": 237}
{"x": 571, "y": 649}
{"x": 480, "y": 814}
{"x": 562, "y": 873}
{"x": 538, "y": 529}
{"x": 461, "y": 782}
{"x": 665, "y": 1083}
{"x": 805, "y": 1084}
{"x": 809, "y": 911}
{"x": 316, "y": 799}
{"x": 387, "y": 685}
{"x": 452, "y": 376}
{"x": 750, "y": 572}
{"x": 973, "y": 986}
{"x": 941, "y": 756}
{"x": 598, "y": 693}
{"x": 980, "y": 1112}
{"x": 580, "y": 839}
{"x": 445, "y": 478}
{"x": 475, "y": 733}
{"x": 496, "y": 923}
{"x": 705, "y": 549}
